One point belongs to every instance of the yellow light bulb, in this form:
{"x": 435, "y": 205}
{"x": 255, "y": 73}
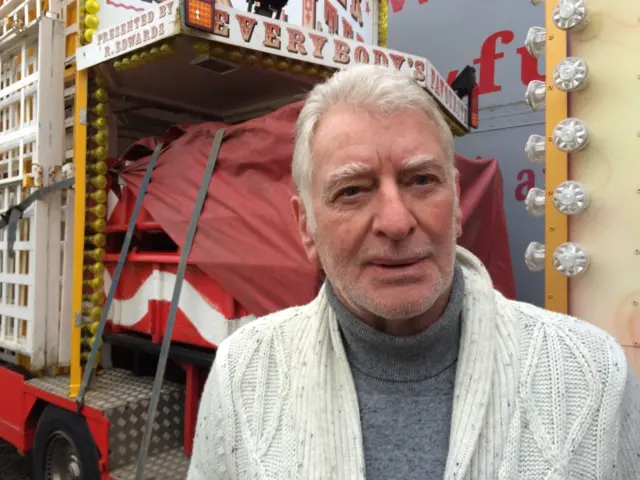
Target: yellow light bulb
{"x": 97, "y": 254}
{"x": 99, "y": 210}
{"x": 99, "y": 168}
{"x": 92, "y": 7}
{"x": 100, "y": 95}
{"x": 100, "y": 109}
{"x": 98, "y": 240}
{"x": 91, "y": 22}
{"x": 99, "y": 181}
{"x": 99, "y": 196}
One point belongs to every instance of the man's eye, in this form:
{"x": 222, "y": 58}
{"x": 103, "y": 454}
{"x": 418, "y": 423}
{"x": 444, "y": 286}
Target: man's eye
{"x": 423, "y": 179}
{"x": 351, "y": 191}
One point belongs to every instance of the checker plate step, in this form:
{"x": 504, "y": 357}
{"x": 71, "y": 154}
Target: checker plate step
{"x": 168, "y": 465}
{"x": 124, "y": 399}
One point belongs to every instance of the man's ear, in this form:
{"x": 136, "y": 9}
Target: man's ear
{"x": 302, "y": 222}
{"x": 458, "y": 212}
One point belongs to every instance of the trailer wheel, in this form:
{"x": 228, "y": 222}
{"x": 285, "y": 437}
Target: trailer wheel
{"x": 64, "y": 448}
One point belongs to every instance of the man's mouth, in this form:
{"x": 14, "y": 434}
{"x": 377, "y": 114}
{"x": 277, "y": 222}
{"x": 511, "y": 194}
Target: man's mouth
{"x": 396, "y": 262}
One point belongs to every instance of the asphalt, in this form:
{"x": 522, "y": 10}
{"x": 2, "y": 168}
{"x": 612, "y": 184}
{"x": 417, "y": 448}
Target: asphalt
{"x": 13, "y": 466}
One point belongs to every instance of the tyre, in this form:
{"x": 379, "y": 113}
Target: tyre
{"x": 64, "y": 448}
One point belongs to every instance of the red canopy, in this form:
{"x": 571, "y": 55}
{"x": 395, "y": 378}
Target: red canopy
{"x": 246, "y": 238}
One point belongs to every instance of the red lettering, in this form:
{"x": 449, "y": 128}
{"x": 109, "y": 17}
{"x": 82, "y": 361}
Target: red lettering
{"x": 397, "y": 60}
{"x": 221, "y": 23}
{"x": 380, "y": 58}
{"x": 347, "y": 30}
{"x": 361, "y": 55}
{"x": 398, "y": 5}
{"x": 331, "y": 17}
{"x": 356, "y": 11}
{"x": 247, "y": 26}
{"x": 527, "y": 179}
{"x": 487, "y": 60}
{"x": 272, "y": 35}
{"x": 342, "y": 50}
{"x": 359, "y": 38}
{"x": 419, "y": 74}
{"x": 296, "y": 41}
{"x": 318, "y": 44}
{"x": 528, "y": 67}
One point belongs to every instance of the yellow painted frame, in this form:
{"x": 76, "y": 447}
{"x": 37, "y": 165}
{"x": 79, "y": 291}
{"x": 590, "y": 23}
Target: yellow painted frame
{"x": 80, "y": 162}
{"x": 556, "y": 166}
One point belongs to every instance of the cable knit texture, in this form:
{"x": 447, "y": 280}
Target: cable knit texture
{"x": 538, "y": 395}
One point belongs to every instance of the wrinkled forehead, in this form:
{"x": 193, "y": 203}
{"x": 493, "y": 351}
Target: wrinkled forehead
{"x": 349, "y": 145}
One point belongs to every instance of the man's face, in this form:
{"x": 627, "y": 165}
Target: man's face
{"x": 384, "y": 200}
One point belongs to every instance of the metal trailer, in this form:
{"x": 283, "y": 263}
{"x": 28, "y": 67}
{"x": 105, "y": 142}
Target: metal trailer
{"x": 63, "y": 66}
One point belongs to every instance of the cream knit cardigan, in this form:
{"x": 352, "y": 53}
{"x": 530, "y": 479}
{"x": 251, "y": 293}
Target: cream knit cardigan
{"x": 538, "y": 395}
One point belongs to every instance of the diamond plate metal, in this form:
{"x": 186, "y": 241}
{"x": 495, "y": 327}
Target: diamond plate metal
{"x": 168, "y": 465}
{"x": 127, "y": 423}
{"x": 124, "y": 400}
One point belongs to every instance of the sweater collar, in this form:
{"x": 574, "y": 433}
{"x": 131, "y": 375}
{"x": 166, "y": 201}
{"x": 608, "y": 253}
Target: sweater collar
{"x": 402, "y": 359}
{"x": 325, "y": 382}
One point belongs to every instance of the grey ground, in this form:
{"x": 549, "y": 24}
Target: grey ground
{"x": 13, "y": 466}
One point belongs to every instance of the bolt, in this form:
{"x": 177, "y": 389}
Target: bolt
{"x": 638, "y": 190}
{"x": 550, "y": 192}
{"x": 551, "y": 37}
{"x": 552, "y": 229}
{"x": 638, "y": 76}
{"x": 637, "y": 251}
{"x": 550, "y": 87}
{"x": 549, "y": 296}
{"x": 634, "y": 303}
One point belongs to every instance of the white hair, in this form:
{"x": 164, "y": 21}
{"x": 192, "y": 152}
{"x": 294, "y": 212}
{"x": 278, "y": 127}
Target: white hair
{"x": 374, "y": 88}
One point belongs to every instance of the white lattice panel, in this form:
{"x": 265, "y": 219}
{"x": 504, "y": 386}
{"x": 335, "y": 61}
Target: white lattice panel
{"x": 31, "y": 133}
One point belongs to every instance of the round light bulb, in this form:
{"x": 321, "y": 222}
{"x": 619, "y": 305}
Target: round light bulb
{"x": 535, "y": 41}
{"x": 570, "y": 259}
{"x": 534, "y": 256}
{"x": 570, "y": 15}
{"x": 570, "y": 75}
{"x": 534, "y": 201}
{"x": 571, "y": 135}
{"x": 571, "y": 198}
{"x": 535, "y": 94}
{"x": 535, "y": 149}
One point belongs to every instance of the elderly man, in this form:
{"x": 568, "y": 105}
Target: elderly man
{"x": 408, "y": 364}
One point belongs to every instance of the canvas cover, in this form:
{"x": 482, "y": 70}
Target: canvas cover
{"x": 246, "y": 238}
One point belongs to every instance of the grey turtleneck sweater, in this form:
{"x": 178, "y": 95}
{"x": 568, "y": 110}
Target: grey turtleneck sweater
{"x": 405, "y": 391}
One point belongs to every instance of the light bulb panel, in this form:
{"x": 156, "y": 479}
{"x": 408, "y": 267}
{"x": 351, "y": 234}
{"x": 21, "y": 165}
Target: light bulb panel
{"x": 570, "y": 15}
{"x": 535, "y": 149}
{"x": 571, "y": 135}
{"x": 535, "y": 94}
{"x": 570, "y": 259}
{"x": 571, "y": 74}
{"x": 535, "y": 41}
{"x": 535, "y": 201}
{"x": 534, "y": 256}
{"x": 571, "y": 198}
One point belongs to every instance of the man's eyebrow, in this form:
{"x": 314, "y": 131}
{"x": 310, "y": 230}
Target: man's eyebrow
{"x": 346, "y": 172}
{"x": 419, "y": 162}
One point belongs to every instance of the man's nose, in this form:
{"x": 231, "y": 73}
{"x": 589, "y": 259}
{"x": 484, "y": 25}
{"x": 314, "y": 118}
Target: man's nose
{"x": 393, "y": 218}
